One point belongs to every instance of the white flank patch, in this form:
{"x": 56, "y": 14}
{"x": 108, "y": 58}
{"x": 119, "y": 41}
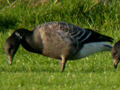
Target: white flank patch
{"x": 91, "y": 48}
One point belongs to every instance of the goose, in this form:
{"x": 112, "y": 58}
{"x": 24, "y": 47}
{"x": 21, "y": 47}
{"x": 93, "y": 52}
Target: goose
{"x": 58, "y": 40}
{"x": 116, "y": 53}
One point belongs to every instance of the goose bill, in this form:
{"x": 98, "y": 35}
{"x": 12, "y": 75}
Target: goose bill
{"x": 115, "y": 62}
{"x": 10, "y": 60}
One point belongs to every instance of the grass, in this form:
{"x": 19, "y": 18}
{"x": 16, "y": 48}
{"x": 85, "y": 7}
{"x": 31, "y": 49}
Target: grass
{"x": 35, "y": 72}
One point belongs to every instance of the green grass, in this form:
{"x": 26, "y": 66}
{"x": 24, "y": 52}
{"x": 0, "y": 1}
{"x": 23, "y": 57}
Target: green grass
{"x": 35, "y": 72}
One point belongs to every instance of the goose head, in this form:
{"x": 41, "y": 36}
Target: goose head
{"x": 116, "y": 54}
{"x": 13, "y": 42}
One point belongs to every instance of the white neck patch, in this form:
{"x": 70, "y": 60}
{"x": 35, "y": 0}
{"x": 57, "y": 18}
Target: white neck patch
{"x": 18, "y": 35}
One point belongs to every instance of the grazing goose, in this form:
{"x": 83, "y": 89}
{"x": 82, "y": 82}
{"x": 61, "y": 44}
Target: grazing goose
{"x": 116, "y": 54}
{"x": 58, "y": 40}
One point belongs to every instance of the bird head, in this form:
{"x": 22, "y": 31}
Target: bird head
{"x": 12, "y": 44}
{"x": 116, "y": 54}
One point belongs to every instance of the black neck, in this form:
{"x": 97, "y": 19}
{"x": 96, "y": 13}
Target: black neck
{"x": 28, "y": 42}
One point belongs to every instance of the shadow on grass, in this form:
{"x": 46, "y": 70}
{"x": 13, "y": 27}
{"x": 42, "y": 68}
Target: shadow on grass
{"x": 7, "y": 22}
{"x": 34, "y": 71}
{"x": 89, "y": 70}
{"x": 23, "y": 69}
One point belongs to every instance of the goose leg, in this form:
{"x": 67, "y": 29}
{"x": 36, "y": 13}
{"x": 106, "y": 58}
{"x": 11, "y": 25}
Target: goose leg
{"x": 63, "y": 62}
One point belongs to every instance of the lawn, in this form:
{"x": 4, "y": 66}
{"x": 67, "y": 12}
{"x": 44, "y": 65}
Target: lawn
{"x": 35, "y": 72}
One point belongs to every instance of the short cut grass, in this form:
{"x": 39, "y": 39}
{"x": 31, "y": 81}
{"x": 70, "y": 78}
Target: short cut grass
{"x": 35, "y": 72}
